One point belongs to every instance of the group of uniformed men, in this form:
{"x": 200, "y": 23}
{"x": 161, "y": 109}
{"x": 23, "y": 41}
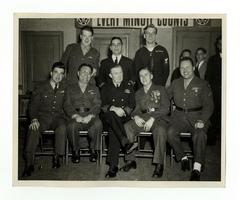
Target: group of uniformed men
{"x": 124, "y": 97}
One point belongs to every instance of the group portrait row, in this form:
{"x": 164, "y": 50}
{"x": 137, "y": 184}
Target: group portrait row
{"x": 125, "y": 97}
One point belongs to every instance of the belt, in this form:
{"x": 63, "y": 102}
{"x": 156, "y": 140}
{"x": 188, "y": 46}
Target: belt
{"x": 82, "y": 110}
{"x": 189, "y": 109}
{"x": 149, "y": 110}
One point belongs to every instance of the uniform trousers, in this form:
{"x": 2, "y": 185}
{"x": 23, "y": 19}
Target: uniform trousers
{"x": 116, "y": 135}
{"x": 58, "y": 124}
{"x": 199, "y": 138}
{"x": 158, "y": 130}
{"x": 94, "y": 128}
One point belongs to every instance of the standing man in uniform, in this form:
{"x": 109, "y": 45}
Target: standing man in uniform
{"x": 214, "y": 77}
{"x": 117, "y": 105}
{"x": 192, "y": 97}
{"x": 82, "y": 105}
{"x": 77, "y": 54}
{"x": 152, "y": 107}
{"x": 46, "y": 112}
{"x": 116, "y": 57}
{"x": 153, "y": 55}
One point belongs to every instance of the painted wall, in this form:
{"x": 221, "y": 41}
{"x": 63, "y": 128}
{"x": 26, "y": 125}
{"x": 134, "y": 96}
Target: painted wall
{"x": 65, "y": 25}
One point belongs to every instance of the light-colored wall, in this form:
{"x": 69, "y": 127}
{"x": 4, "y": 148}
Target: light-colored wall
{"x": 65, "y": 25}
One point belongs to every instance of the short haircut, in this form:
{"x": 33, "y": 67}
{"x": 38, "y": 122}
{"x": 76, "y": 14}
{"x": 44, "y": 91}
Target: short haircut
{"x": 186, "y": 59}
{"x": 87, "y": 28}
{"x": 115, "y": 66}
{"x": 150, "y": 26}
{"x": 58, "y": 65}
{"x": 185, "y": 50}
{"x": 85, "y": 65}
{"x": 145, "y": 68}
{"x": 201, "y": 49}
{"x": 116, "y": 38}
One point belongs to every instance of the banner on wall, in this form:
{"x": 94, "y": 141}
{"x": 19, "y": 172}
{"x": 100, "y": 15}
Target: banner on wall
{"x": 140, "y": 22}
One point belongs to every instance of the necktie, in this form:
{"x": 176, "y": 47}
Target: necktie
{"x": 55, "y": 88}
{"x": 116, "y": 61}
{"x": 196, "y": 72}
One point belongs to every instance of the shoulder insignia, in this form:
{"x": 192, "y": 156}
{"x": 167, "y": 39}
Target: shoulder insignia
{"x": 62, "y": 92}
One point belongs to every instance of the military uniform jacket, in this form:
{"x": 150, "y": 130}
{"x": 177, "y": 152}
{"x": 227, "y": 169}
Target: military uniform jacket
{"x": 154, "y": 103}
{"x": 198, "y": 94}
{"x": 73, "y": 57}
{"x": 81, "y": 103}
{"x": 157, "y": 60}
{"x": 106, "y": 64}
{"x": 45, "y": 103}
{"x": 123, "y": 97}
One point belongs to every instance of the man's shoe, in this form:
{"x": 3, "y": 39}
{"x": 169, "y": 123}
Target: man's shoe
{"x": 129, "y": 165}
{"x": 185, "y": 164}
{"x": 131, "y": 147}
{"x": 76, "y": 157}
{"x": 158, "y": 172}
{"x": 112, "y": 172}
{"x": 56, "y": 162}
{"x": 93, "y": 156}
{"x": 28, "y": 171}
{"x": 195, "y": 176}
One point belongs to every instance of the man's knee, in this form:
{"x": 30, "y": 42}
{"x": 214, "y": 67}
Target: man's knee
{"x": 98, "y": 125}
{"x": 130, "y": 131}
{"x": 160, "y": 132}
{"x": 171, "y": 132}
{"x": 199, "y": 135}
{"x": 71, "y": 126}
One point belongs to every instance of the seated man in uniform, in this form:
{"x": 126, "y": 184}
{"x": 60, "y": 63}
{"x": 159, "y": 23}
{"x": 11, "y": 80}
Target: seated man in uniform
{"x": 150, "y": 114}
{"x": 46, "y": 112}
{"x": 82, "y": 105}
{"x": 116, "y": 57}
{"x": 117, "y": 105}
{"x": 192, "y": 97}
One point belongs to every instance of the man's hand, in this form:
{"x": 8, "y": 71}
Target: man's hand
{"x": 87, "y": 119}
{"x": 118, "y": 110}
{"x": 199, "y": 124}
{"x": 79, "y": 119}
{"x": 148, "y": 125}
{"x": 139, "y": 121}
{"x": 34, "y": 125}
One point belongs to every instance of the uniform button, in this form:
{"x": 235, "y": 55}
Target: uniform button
{"x": 55, "y": 96}
{"x": 53, "y": 107}
{"x": 184, "y": 99}
{"x": 54, "y": 102}
{"x": 122, "y": 99}
{"x": 184, "y": 93}
{"x": 184, "y": 105}
{"x": 122, "y": 106}
{"x": 113, "y": 99}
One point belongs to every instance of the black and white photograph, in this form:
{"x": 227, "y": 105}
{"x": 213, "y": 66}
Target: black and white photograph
{"x": 119, "y": 97}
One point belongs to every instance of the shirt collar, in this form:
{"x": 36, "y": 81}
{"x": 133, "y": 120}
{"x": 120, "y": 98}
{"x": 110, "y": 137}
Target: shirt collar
{"x": 118, "y": 58}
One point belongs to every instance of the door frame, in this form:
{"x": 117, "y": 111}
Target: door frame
{"x": 176, "y": 30}
{"x": 23, "y": 82}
